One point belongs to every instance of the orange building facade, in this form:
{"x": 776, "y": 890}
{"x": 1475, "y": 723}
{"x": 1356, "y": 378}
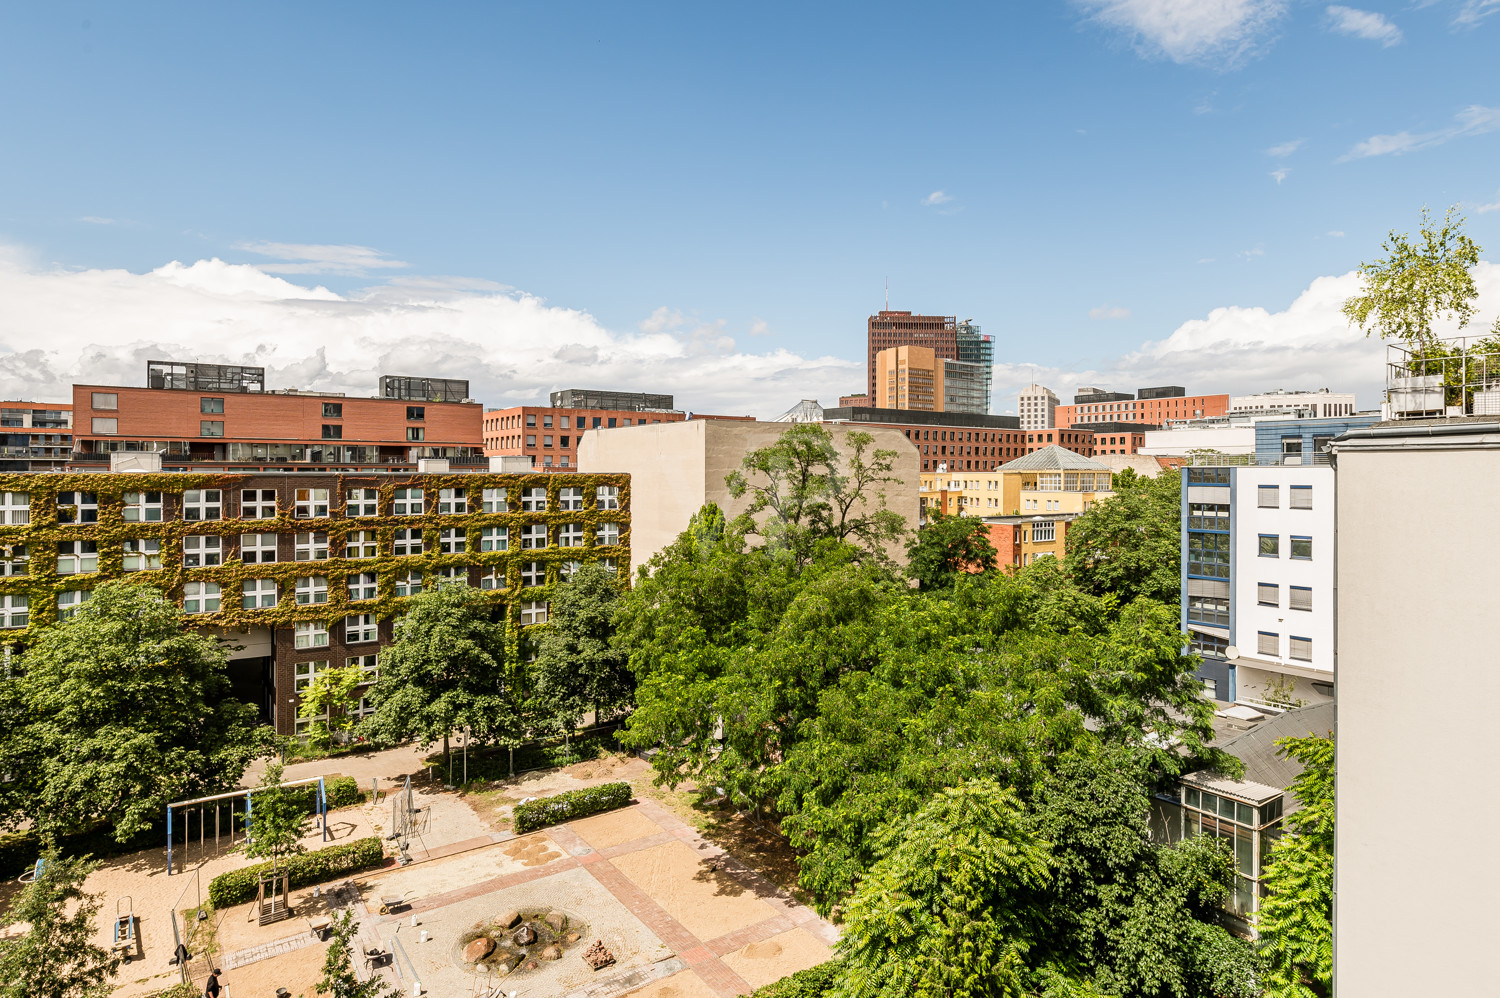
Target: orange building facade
{"x": 1154, "y": 412}
{"x": 548, "y": 436}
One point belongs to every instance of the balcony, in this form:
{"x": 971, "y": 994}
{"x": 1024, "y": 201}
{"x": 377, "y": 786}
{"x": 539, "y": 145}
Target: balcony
{"x": 1453, "y": 377}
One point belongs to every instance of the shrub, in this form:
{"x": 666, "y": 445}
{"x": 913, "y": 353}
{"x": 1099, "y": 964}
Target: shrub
{"x": 569, "y": 805}
{"x": 176, "y": 991}
{"x": 239, "y": 886}
{"x": 814, "y": 982}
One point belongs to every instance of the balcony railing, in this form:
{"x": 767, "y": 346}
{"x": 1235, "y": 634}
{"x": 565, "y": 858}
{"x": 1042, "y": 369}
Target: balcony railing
{"x": 1456, "y": 376}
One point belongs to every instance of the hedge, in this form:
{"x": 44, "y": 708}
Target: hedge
{"x": 238, "y": 886}
{"x": 814, "y": 982}
{"x": 569, "y": 805}
{"x": 341, "y": 791}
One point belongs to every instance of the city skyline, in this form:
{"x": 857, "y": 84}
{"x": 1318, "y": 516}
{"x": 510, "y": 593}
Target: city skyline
{"x": 226, "y": 190}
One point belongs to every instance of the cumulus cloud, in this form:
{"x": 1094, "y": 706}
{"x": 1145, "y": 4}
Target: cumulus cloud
{"x": 1222, "y": 33}
{"x": 1109, "y": 312}
{"x": 314, "y": 258}
{"x": 1285, "y": 149}
{"x": 937, "y": 198}
{"x": 1364, "y": 24}
{"x": 1335, "y": 233}
{"x": 1476, "y": 119}
{"x": 1485, "y": 209}
{"x": 1240, "y": 350}
{"x": 58, "y": 327}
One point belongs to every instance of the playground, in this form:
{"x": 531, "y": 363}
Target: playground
{"x": 661, "y": 910}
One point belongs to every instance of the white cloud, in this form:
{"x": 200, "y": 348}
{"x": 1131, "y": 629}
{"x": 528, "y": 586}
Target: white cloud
{"x": 1474, "y": 11}
{"x": 1250, "y": 253}
{"x": 1109, "y": 312}
{"x": 1335, "y": 233}
{"x": 1285, "y": 149}
{"x": 1364, "y": 24}
{"x": 760, "y": 327}
{"x": 1476, "y": 119}
{"x": 1280, "y": 173}
{"x": 99, "y": 220}
{"x": 314, "y": 258}
{"x": 1485, "y": 209}
{"x": 59, "y": 327}
{"x": 937, "y": 198}
{"x": 1240, "y": 350}
{"x": 1222, "y": 33}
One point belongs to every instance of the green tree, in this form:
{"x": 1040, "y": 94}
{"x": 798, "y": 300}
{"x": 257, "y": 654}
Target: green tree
{"x": 815, "y": 495}
{"x": 339, "y": 979}
{"x": 946, "y": 547}
{"x": 56, "y": 956}
{"x": 445, "y": 669}
{"x": 577, "y": 668}
{"x": 1295, "y": 922}
{"x": 1131, "y": 543}
{"x": 1418, "y": 282}
{"x": 117, "y": 712}
{"x": 276, "y": 816}
{"x": 327, "y": 699}
{"x": 952, "y": 907}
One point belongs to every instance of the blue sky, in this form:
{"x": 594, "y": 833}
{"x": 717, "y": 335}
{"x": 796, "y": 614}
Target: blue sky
{"x": 1081, "y": 178}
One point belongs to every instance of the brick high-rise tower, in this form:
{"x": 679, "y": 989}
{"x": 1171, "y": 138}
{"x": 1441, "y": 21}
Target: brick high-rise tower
{"x": 938, "y": 333}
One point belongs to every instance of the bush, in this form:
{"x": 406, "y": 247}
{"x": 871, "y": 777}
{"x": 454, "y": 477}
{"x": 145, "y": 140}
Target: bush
{"x": 814, "y": 982}
{"x": 239, "y": 886}
{"x": 570, "y": 805}
{"x": 177, "y": 991}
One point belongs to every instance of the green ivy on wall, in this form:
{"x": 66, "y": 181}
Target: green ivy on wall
{"x": 42, "y": 584}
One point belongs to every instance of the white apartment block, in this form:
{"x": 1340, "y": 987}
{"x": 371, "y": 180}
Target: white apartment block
{"x": 1258, "y": 581}
{"x": 1320, "y": 403}
{"x": 1038, "y": 408}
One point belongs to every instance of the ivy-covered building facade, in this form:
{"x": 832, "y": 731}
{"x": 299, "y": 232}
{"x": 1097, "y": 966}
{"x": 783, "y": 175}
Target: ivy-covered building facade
{"x": 299, "y": 573}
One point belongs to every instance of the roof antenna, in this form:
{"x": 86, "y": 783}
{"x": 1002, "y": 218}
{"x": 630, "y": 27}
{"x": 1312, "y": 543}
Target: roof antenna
{"x": 887, "y": 294}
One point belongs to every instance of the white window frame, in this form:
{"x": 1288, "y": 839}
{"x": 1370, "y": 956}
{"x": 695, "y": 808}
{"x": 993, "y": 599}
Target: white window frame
{"x": 1265, "y": 492}
{"x": 495, "y": 501}
{"x": 1044, "y": 532}
{"x": 202, "y": 550}
{"x": 255, "y": 592}
{"x": 453, "y": 573}
{"x": 143, "y": 508}
{"x": 369, "y": 667}
{"x": 533, "y": 573}
{"x": 607, "y": 497}
{"x": 18, "y": 562}
{"x": 77, "y": 557}
{"x": 362, "y": 502}
{"x": 311, "y": 590}
{"x": 363, "y": 585}
{"x": 570, "y": 498}
{"x": 257, "y": 504}
{"x": 533, "y": 536}
{"x": 570, "y": 535}
{"x": 201, "y": 597}
{"x": 310, "y": 504}
{"x": 82, "y": 507}
{"x": 408, "y": 502}
{"x": 202, "y": 505}
{"x": 493, "y": 578}
{"x": 407, "y": 541}
{"x": 69, "y": 600}
{"x": 361, "y": 708}
{"x": 310, "y": 634}
{"x": 362, "y": 544}
{"x": 534, "y": 500}
{"x": 533, "y": 612}
{"x": 142, "y": 554}
{"x": 310, "y": 546}
{"x": 566, "y": 569}
{"x": 409, "y": 583}
{"x": 361, "y": 628}
{"x": 452, "y": 540}
{"x": 607, "y": 535}
{"x": 1297, "y": 644}
{"x": 259, "y": 545}
{"x": 1267, "y": 643}
{"x": 1301, "y": 497}
{"x": 494, "y": 539}
{"x": 15, "y": 612}
{"x": 453, "y": 502}
{"x": 303, "y": 674}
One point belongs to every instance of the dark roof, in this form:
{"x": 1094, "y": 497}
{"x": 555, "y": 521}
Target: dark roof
{"x": 1256, "y": 748}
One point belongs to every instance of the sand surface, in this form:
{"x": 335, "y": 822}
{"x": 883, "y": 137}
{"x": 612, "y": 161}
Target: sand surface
{"x": 684, "y": 985}
{"x": 615, "y": 827}
{"x": 708, "y": 904}
{"x": 772, "y": 959}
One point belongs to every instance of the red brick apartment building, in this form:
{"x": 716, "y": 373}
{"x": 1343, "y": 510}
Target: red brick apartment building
{"x": 886, "y": 329}
{"x": 1152, "y": 411}
{"x": 205, "y": 417}
{"x": 964, "y": 441}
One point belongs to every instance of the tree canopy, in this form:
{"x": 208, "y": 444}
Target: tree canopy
{"x": 946, "y": 547}
{"x": 116, "y": 712}
{"x": 1130, "y": 545}
{"x": 56, "y": 956}
{"x": 277, "y": 814}
{"x": 577, "y": 668}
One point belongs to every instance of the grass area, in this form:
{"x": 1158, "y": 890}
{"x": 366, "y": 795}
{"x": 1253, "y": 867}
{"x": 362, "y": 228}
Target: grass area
{"x": 204, "y": 933}
{"x": 492, "y": 765}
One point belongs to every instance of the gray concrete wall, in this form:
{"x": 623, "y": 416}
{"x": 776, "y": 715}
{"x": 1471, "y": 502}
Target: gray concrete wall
{"x": 676, "y": 467}
{"x": 1418, "y": 687}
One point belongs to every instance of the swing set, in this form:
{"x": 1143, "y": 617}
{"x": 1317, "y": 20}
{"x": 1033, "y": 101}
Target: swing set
{"x": 199, "y": 805}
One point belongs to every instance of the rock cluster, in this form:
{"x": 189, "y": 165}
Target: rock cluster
{"x": 597, "y": 957}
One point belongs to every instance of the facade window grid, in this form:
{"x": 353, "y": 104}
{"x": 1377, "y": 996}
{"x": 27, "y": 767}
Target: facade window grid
{"x": 70, "y": 600}
{"x": 1300, "y": 598}
{"x": 1268, "y": 593}
{"x": 1301, "y": 548}
{"x": 77, "y": 557}
{"x": 257, "y": 594}
{"x": 451, "y": 540}
{"x": 408, "y": 583}
{"x": 311, "y": 546}
{"x": 141, "y": 507}
{"x": 77, "y": 507}
{"x": 312, "y": 590}
{"x": 362, "y": 502}
{"x": 494, "y": 501}
{"x": 363, "y": 585}
{"x": 14, "y": 612}
{"x": 200, "y": 597}
{"x": 408, "y": 502}
{"x": 453, "y": 501}
{"x": 202, "y": 550}
{"x": 305, "y": 672}
{"x": 142, "y": 554}
{"x": 1270, "y": 546}
{"x": 362, "y": 544}
{"x": 1301, "y": 497}
{"x": 407, "y": 541}
{"x": 360, "y": 628}
{"x": 258, "y": 504}
{"x": 258, "y": 549}
{"x": 1268, "y": 643}
{"x": 310, "y": 504}
{"x": 494, "y": 539}
{"x": 1300, "y": 649}
{"x": 203, "y": 504}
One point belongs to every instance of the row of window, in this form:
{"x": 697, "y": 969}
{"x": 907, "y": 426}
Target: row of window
{"x": 307, "y": 504}
{"x": 1214, "y": 610}
{"x": 1301, "y": 547}
{"x": 208, "y": 550}
{"x": 207, "y": 597}
{"x": 1298, "y": 649}
{"x": 1269, "y": 497}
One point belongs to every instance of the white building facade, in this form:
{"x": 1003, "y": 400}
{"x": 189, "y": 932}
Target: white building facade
{"x": 1037, "y": 408}
{"x": 1319, "y": 404}
{"x": 1258, "y": 581}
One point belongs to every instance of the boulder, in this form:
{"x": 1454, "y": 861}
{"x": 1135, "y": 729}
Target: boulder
{"x": 553, "y": 952}
{"x": 478, "y": 949}
{"x": 556, "y": 921}
{"x": 572, "y": 937}
{"x": 525, "y": 936}
{"x": 507, "y": 919}
{"x": 531, "y": 965}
